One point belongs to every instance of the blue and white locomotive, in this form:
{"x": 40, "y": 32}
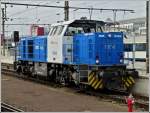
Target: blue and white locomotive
{"x": 79, "y": 52}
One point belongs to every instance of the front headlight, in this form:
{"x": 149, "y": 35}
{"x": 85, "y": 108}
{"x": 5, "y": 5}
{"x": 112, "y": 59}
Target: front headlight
{"x": 97, "y": 61}
{"x": 121, "y": 61}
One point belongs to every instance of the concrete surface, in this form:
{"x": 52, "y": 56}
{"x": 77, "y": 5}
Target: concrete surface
{"x": 141, "y": 87}
{"x": 30, "y": 96}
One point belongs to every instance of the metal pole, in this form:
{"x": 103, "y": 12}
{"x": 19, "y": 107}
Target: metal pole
{"x": 149, "y": 31}
{"x": 90, "y": 12}
{"x": 0, "y": 39}
{"x": 147, "y": 36}
{"x": 5, "y": 13}
{"x": 15, "y": 51}
{"x": 3, "y": 30}
{"x": 0, "y": 28}
{"x": 114, "y": 16}
{"x": 66, "y": 11}
{"x": 133, "y": 49}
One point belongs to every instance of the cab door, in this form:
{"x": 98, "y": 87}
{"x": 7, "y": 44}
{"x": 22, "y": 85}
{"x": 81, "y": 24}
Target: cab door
{"x": 55, "y": 44}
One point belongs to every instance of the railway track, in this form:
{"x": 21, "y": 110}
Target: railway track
{"x": 120, "y": 98}
{"x": 141, "y": 102}
{"x": 8, "y": 108}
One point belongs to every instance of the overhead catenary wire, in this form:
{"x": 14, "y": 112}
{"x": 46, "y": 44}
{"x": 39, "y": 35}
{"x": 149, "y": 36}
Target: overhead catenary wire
{"x": 82, "y": 8}
{"x": 88, "y": 8}
{"x": 52, "y": 6}
{"x": 28, "y": 9}
{"x": 23, "y": 11}
{"x": 28, "y": 24}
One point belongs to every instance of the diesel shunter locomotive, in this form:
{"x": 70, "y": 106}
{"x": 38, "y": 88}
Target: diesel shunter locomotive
{"x": 78, "y": 52}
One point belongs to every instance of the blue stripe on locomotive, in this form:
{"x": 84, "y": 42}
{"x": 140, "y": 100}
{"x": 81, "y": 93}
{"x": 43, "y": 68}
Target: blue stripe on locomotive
{"x": 105, "y": 47}
{"x": 33, "y": 49}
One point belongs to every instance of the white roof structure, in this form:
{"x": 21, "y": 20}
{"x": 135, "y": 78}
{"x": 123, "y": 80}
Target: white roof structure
{"x": 79, "y": 21}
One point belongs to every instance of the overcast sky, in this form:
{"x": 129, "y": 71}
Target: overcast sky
{"x": 24, "y": 14}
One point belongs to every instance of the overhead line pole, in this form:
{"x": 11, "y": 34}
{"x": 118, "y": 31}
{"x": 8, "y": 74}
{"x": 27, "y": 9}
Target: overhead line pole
{"x": 5, "y": 19}
{"x": 147, "y": 35}
{"x": 66, "y": 11}
{"x": 0, "y": 32}
{"x": 0, "y": 37}
{"x": 114, "y": 17}
{"x": 149, "y": 32}
{"x": 3, "y": 30}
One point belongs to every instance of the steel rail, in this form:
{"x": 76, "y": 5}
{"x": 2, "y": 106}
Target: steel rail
{"x": 9, "y": 108}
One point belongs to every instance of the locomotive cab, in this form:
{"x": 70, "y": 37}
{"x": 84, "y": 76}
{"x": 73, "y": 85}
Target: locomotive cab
{"x": 60, "y": 38}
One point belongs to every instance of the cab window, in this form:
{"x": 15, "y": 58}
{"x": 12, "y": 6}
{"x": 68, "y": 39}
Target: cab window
{"x": 55, "y": 29}
{"x": 73, "y": 30}
{"x": 52, "y": 31}
{"x": 59, "y": 30}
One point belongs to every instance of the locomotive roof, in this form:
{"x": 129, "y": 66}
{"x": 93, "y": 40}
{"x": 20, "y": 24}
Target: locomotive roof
{"x": 80, "y": 22}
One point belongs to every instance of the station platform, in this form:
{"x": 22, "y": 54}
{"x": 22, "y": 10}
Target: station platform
{"x": 7, "y": 59}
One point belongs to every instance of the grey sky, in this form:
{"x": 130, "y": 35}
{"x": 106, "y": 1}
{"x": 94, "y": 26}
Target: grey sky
{"x": 22, "y": 14}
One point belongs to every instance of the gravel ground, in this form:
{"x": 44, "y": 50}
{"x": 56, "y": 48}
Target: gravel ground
{"x": 30, "y": 96}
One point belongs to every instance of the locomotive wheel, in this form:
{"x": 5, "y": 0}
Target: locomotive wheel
{"x": 18, "y": 69}
{"x": 25, "y": 70}
{"x": 52, "y": 75}
{"x": 115, "y": 84}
